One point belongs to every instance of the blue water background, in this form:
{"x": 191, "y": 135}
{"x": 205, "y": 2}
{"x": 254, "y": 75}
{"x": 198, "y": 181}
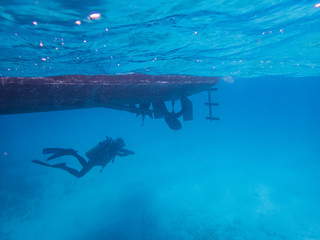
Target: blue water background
{"x": 252, "y": 175}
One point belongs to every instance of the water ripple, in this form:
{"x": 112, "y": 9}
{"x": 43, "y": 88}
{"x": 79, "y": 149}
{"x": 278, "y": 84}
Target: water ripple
{"x": 186, "y": 37}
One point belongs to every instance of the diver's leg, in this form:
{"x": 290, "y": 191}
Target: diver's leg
{"x": 82, "y": 161}
{"x": 75, "y": 172}
{"x": 86, "y": 168}
{"x": 58, "y": 152}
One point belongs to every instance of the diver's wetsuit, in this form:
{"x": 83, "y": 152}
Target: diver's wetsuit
{"x": 100, "y": 155}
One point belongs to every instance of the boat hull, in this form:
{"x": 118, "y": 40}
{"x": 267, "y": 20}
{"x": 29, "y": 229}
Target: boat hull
{"x": 29, "y": 94}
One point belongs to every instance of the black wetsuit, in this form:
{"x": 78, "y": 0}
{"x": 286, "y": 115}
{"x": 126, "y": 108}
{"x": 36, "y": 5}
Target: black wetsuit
{"x": 100, "y": 155}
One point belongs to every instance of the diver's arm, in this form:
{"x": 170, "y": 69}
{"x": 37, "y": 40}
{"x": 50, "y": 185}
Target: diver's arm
{"x": 124, "y": 152}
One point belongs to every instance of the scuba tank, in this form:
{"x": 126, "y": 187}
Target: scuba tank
{"x": 101, "y": 151}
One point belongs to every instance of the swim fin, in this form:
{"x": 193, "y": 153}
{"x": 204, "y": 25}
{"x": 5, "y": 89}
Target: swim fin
{"x": 59, "y": 165}
{"x": 41, "y": 163}
{"x": 58, "y": 152}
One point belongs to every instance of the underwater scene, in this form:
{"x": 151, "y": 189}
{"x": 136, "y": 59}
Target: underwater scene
{"x": 169, "y": 120}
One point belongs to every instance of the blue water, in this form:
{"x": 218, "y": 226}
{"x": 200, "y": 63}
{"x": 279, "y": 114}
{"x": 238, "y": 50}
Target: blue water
{"x": 252, "y": 175}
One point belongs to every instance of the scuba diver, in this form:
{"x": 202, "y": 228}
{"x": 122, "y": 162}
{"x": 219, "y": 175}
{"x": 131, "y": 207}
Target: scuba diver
{"x": 100, "y": 155}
